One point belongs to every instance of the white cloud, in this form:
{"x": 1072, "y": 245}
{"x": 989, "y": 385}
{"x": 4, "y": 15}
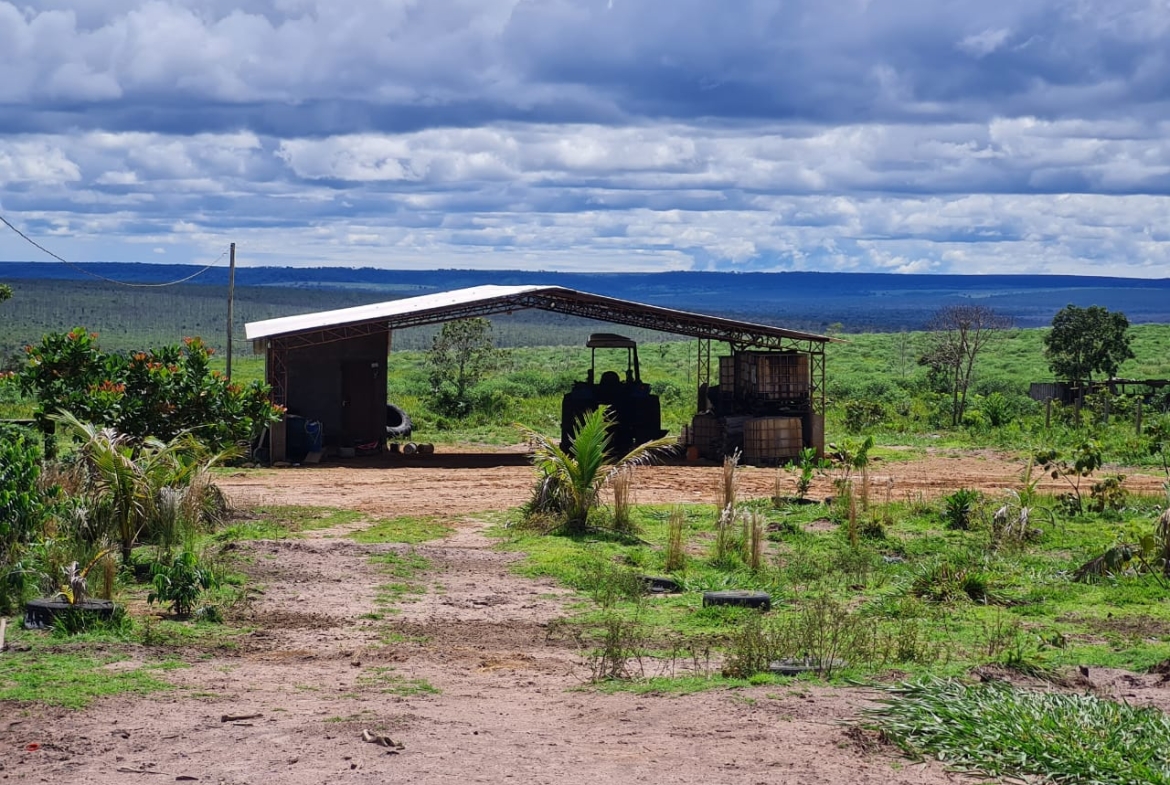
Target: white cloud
{"x": 984, "y": 43}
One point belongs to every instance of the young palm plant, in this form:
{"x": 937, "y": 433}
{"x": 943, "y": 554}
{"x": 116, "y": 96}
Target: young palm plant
{"x": 571, "y": 480}
{"x": 125, "y": 477}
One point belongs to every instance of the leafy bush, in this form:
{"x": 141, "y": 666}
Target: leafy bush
{"x": 22, "y": 506}
{"x": 180, "y": 582}
{"x": 1108, "y": 494}
{"x": 863, "y": 415}
{"x": 1084, "y": 459}
{"x": 960, "y": 508}
{"x": 159, "y": 392}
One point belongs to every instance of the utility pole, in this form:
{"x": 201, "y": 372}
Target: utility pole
{"x": 231, "y": 304}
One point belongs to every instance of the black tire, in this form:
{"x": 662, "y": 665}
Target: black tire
{"x": 661, "y": 584}
{"x": 804, "y": 665}
{"x": 398, "y": 424}
{"x": 41, "y": 614}
{"x": 760, "y": 600}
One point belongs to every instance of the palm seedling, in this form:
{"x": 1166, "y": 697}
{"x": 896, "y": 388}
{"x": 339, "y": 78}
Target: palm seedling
{"x": 125, "y": 478}
{"x": 571, "y": 480}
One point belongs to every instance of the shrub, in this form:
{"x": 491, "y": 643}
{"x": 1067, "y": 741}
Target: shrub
{"x": 158, "y": 392}
{"x": 1108, "y": 494}
{"x": 180, "y": 582}
{"x": 22, "y": 506}
{"x": 960, "y": 508}
{"x": 863, "y": 415}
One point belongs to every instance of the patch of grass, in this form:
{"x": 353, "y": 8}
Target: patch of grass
{"x": 407, "y": 564}
{"x": 994, "y": 729}
{"x": 362, "y": 716}
{"x": 73, "y": 680}
{"x": 165, "y": 633}
{"x": 386, "y": 681}
{"x": 687, "y": 685}
{"x": 923, "y": 599}
{"x": 278, "y": 522}
{"x": 403, "y": 568}
{"x": 407, "y": 529}
{"x": 391, "y": 637}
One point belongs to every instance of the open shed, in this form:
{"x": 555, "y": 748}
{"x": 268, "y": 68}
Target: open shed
{"x": 330, "y": 366}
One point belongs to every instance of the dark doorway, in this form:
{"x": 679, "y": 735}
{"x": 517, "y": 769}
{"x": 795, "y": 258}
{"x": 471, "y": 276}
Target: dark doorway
{"x": 363, "y": 404}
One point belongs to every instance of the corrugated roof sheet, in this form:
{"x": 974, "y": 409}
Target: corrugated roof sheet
{"x": 497, "y": 298}
{"x": 286, "y": 325}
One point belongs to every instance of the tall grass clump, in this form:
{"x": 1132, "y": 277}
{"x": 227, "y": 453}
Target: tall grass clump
{"x": 675, "y": 540}
{"x": 725, "y": 547}
{"x": 996, "y": 730}
{"x": 622, "y": 485}
{"x": 729, "y": 482}
{"x": 753, "y": 540}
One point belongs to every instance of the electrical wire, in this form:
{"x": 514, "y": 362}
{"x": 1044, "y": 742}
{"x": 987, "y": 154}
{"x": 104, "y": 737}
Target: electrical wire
{"x": 100, "y": 277}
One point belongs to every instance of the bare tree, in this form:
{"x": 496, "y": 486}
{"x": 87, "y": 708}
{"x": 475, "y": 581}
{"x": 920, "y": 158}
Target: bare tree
{"x": 958, "y": 333}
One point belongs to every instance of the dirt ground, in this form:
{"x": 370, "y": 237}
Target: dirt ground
{"x": 291, "y": 701}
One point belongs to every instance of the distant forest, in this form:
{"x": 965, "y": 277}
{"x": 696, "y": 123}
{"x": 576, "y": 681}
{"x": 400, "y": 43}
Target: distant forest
{"x": 52, "y": 297}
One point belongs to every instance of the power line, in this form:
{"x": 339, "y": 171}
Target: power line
{"x": 79, "y": 269}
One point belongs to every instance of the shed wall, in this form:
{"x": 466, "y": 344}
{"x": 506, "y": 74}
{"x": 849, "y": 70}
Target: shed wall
{"x": 318, "y": 377}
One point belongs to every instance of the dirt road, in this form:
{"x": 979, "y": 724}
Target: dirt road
{"x": 464, "y": 675}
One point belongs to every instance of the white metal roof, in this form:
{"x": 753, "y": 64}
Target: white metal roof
{"x": 487, "y": 300}
{"x": 386, "y": 310}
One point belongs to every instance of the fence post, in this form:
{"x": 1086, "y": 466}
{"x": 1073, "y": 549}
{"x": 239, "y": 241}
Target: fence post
{"x": 1138, "y": 416}
{"x": 1047, "y": 413}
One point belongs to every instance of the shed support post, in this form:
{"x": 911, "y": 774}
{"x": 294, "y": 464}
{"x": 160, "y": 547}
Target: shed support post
{"x": 277, "y": 366}
{"x": 703, "y": 373}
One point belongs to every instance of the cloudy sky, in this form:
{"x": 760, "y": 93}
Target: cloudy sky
{"x": 949, "y": 136}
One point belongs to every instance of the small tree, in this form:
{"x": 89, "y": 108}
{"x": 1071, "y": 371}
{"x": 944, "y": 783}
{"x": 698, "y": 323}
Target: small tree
{"x": 460, "y": 356}
{"x": 958, "y": 333}
{"x": 1086, "y": 341}
{"x": 5, "y": 292}
{"x": 1084, "y": 459}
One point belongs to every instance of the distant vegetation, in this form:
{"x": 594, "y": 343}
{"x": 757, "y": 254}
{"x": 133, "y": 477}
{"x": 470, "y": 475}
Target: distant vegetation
{"x": 875, "y": 383}
{"x": 55, "y": 298}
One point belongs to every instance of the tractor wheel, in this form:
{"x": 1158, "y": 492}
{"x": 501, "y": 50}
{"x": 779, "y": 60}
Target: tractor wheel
{"x": 398, "y": 424}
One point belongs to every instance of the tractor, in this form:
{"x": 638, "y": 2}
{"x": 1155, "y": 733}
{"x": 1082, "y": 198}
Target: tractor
{"x": 636, "y": 414}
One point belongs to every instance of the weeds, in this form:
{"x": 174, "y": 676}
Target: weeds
{"x": 725, "y": 548}
{"x": 996, "y": 730}
{"x": 675, "y": 559}
{"x": 753, "y": 541}
{"x": 947, "y": 580}
{"x": 619, "y": 652}
{"x": 752, "y": 648}
{"x": 622, "y": 485}
{"x": 729, "y": 483}
{"x": 960, "y": 507}
{"x": 608, "y": 583}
